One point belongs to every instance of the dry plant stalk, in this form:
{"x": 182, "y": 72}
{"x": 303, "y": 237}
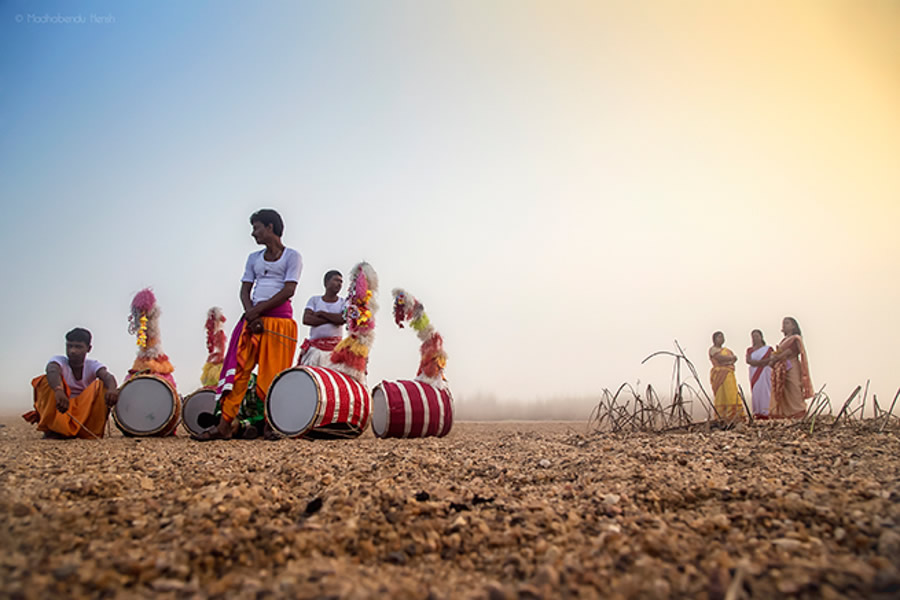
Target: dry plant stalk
{"x": 627, "y": 411}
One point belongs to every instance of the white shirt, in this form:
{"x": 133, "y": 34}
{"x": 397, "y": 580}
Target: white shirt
{"x": 88, "y": 374}
{"x": 269, "y": 277}
{"x": 316, "y": 304}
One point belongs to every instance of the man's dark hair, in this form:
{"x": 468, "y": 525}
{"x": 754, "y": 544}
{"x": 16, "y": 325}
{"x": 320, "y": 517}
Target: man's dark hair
{"x": 331, "y": 274}
{"x": 267, "y": 217}
{"x": 79, "y": 334}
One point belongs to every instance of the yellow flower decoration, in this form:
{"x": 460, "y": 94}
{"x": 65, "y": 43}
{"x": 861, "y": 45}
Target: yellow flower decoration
{"x": 142, "y": 332}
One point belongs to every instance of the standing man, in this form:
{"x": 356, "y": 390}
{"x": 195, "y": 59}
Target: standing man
{"x": 325, "y": 317}
{"x": 267, "y": 333}
{"x": 73, "y": 398}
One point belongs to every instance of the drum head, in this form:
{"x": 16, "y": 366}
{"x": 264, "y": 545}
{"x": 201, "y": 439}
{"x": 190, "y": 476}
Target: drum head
{"x": 145, "y": 406}
{"x": 198, "y": 403}
{"x": 379, "y": 411}
{"x": 293, "y": 402}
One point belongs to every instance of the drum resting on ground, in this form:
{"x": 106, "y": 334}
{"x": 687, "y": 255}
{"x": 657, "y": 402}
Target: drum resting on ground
{"x": 148, "y": 405}
{"x": 316, "y": 402}
{"x": 411, "y": 409}
{"x": 198, "y": 411}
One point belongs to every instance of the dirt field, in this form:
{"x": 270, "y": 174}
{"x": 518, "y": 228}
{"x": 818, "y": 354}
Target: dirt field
{"x": 495, "y": 510}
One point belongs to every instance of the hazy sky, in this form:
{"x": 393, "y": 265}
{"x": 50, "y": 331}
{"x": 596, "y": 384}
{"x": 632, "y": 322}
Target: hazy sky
{"x": 567, "y": 186}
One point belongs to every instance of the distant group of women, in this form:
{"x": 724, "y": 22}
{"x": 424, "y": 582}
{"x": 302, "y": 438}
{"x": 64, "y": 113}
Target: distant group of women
{"x": 779, "y": 377}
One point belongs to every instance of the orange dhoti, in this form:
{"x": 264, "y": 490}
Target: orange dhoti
{"x": 273, "y": 350}
{"x": 88, "y": 408}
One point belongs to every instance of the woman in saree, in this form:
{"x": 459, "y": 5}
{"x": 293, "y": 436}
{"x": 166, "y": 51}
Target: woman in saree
{"x": 721, "y": 376}
{"x": 758, "y": 355}
{"x": 791, "y": 383}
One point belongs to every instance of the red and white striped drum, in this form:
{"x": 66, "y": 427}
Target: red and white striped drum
{"x": 316, "y": 402}
{"x": 148, "y": 405}
{"x": 411, "y": 409}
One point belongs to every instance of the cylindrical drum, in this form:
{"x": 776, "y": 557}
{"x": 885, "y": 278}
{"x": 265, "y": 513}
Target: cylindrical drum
{"x": 317, "y": 402}
{"x": 198, "y": 411}
{"x": 148, "y": 405}
{"x": 411, "y": 409}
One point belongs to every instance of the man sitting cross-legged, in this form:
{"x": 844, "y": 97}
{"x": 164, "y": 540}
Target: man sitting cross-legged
{"x": 73, "y": 398}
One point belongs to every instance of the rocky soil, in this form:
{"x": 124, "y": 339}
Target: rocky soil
{"x": 495, "y": 510}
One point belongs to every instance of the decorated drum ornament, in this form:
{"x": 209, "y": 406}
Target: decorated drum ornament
{"x": 424, "y": 406}
{"x": 198, "y": 411}
{"x": 148, "y": 405}
{"x": 316, "y": 402}
{"x": 411, "y": 409}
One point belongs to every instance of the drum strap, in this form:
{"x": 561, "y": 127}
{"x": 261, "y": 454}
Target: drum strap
{"x": 83, "y": 427}
{"x": 282, "y": 335}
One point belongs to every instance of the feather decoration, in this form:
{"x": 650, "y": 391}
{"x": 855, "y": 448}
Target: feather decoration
{"x": 351, "y": 356}
{"x": 215, "y": 345}
{"x": 433, "y": 358}
{"x": 143, "y": 322}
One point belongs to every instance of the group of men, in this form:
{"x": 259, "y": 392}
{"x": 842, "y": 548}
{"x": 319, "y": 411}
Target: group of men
{"x": 74, "y": 396}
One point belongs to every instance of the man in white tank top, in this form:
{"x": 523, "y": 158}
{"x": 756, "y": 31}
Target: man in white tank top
{"x": 73, "y": 398}
{"x": 325, "y": 317}
{"x": 266, "y": 335}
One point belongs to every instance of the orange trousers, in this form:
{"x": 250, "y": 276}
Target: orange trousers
{"x": 273, "y": 350}
{"x": 88, "y": 407}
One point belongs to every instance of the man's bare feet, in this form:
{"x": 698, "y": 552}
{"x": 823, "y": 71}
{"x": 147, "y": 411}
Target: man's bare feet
{"x": 222, "y": 432}
{"x": 270, "y": 434}
{"x": 250, "y": 432}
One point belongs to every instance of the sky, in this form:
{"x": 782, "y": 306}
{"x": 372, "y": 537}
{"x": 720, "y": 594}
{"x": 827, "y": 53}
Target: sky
{"x": 567, "y": 186}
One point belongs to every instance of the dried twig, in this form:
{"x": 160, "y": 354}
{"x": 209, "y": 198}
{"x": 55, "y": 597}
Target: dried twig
{"x": 846, "y": 404}
{"x": 862, "y": 415}
{"x": 887, "y": 417}
{"x": 746, "y": 408}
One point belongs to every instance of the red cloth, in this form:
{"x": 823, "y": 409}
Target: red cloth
{"x": 325, "y": 344}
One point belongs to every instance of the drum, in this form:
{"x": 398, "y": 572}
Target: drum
{"x": 411, "y": 409}
{"x": 148, "y": 405}
{"x": 316, "y": 402}
{"x": 198, "y": 411}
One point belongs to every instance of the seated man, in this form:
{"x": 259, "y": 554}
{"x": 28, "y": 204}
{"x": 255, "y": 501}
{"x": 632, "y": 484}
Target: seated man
{"x": 74, "y": 397}
{"x": 325, "y": 317}
{"x": 267, "y": 333}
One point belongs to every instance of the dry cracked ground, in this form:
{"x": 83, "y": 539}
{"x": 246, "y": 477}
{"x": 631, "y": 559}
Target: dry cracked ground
{"x": 494, "y": 510}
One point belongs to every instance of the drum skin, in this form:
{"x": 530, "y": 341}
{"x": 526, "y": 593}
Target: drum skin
{"x": 202, "y": 400}
{"x": 317, "y": 402}
{"x": 148, "y": 405}
{"x": 411, "y": 409}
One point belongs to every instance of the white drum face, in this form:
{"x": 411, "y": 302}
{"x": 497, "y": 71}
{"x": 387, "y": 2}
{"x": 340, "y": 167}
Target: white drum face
{"x": 144, "y": 405}
{"x": 379, "y": 412}
{"x": 203, "y": 401}
{"x": 293, "y": 401}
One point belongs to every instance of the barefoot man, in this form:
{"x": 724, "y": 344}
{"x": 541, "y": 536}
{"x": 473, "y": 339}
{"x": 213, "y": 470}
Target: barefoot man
{"x": 73, "y": 398}
{"x": 325, "y": 317}
{"x": 267, "y": 333}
